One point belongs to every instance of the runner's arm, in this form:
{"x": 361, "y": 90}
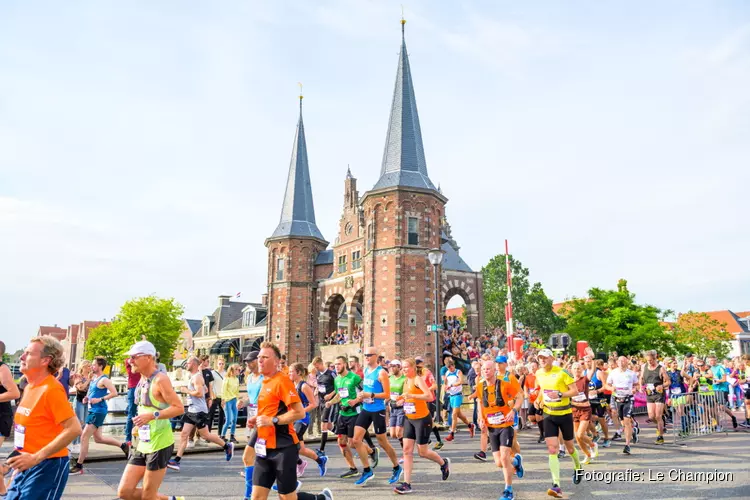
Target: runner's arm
{"x": 295, "y": 412}
{"x": 164, "y": 391}
{"x": 199, "y": 390}
{"x": 386, "y": 383}
{"x": 572, "y": 391}
{"x": 426, "y": 395}
{"x": 311, "y": 399}
{"x": 111, "y": 391}
{"x": 335, "y": 399}
{"x": 6, "y": 380}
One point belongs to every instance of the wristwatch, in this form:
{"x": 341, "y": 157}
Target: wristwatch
{"x": 156, "y": 415}
{"x": 275, "y": 420}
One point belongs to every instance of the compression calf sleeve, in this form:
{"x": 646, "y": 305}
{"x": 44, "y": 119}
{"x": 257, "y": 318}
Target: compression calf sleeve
{"x": 437, "y": 434}
{"x": 368, "y": 439}
{"x": 309, "y": 496}
{"x": 576, "y": 461}
{"x": 249, "y": 481}
{"x": 554, "y": 468}
{"x": 323, "y": 440}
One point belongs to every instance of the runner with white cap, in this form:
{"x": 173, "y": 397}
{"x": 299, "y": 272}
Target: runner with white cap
{"x": 157, "y": 403}
{"x": 557, "y": 387}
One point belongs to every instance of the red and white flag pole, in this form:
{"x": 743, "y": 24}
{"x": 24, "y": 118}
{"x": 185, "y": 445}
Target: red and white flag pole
{"x": 509, "y": 305}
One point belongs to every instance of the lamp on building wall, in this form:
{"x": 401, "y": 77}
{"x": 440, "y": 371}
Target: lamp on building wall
{"x": 436, "y": 257}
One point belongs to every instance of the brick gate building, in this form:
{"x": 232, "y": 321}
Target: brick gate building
{"x": 377, "y": 272}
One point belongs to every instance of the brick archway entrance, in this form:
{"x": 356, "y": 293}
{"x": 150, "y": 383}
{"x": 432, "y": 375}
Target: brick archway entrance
{"x": 467, "y": 290}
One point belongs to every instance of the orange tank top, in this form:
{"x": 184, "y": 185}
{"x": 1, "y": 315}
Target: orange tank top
{"x": 414, "y": 408}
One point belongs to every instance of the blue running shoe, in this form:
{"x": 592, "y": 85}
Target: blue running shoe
{"x": 174, "y": 465}
{"x": 518, "y": 459}
{"x": 229, "y": 450}
{"x": 323, "y": 465}
{"x": 275, "y": 486}
{"x": 397, "y": 473}
{"x": 508, "y": 494}
{"x": 366, "y": 476}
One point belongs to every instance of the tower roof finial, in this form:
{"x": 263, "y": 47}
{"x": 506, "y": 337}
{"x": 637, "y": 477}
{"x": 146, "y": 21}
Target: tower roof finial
{"x": 403, "y": 21}
{"x": 300, "y": 96}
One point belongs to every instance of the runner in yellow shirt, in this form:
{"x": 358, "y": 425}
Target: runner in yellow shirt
{"x": 556, "y": 388}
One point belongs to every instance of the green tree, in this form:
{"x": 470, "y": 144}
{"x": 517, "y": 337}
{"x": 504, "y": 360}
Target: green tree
{"x": 153, "y": 318}
{"x": 610, "y": 320}
{"x": 531, "y": 306}
{"x": 703, "y": 335}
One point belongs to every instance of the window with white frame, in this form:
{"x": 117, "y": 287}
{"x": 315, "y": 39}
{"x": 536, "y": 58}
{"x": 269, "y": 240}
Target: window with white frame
{"x": 280, "y": 269}
{"x": 413, "y": 230}
{"x": 342, "y": 263}
{"x": 356, "y": 260}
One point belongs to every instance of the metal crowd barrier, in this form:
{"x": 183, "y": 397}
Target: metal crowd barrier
{"x": 697, "y": 414}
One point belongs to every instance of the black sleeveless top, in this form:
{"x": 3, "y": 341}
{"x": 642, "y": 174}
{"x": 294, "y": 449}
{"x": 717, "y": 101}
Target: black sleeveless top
{"x": 5, "y": 408}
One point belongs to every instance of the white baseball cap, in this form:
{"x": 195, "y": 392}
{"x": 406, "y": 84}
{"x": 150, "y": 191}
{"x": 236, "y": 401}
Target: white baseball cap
{"x": 142, "y": 347}
{"x": 395, "y": 362}
{"x": 546, "y": 353}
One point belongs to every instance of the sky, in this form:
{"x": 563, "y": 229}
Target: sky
{"x": 144, "y": 146}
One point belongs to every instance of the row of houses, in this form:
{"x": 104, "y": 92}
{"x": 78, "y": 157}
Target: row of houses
{"x": 233, "y": 329}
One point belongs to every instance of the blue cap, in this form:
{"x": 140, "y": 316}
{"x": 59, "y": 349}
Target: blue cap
{"x": 501, "y": 359}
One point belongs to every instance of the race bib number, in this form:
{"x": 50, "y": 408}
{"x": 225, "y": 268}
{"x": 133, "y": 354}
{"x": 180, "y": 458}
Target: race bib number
{"x": 703, "y": 388}
{"x": 454, "y": 391}
{"x": 676, "y": 390}
{"x": 552, "y": 396}
{"x": 623, "y": 392}
{"x": 580, "y": 398}
{"x": 144, "y": 433}
{"x": 746, "y": 386}
{"x": 593, "y": 394}
{"x": 394, "y": 396}
{"x": 650, "y": 388}
{"x": 496, "y": 419}
{"x": 409, "y": 408}
{"x": 252, "y": 411}
{"x": 260, "y": 448}
{"x": 322, "y": 389}
{"x": 368, "y": 401}
{"x": 20, "y": 436}
{"x": 343, "y": 392}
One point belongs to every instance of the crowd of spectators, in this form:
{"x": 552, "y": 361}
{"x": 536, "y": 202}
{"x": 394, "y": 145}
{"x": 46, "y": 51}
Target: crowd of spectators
{"x": 342, "y": 336}
{"x": 460, "y": 343}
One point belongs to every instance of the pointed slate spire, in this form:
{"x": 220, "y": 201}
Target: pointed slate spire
{"x": 298, "y": 212}
{"x": 403, "y": 159}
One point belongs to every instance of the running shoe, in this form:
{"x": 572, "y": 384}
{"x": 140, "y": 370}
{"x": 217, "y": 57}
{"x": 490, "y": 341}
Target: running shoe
{"x": 438, "y": 446}
{"x": 176, "y": 498}
{"x": 508, "y": 494}
{"x": 76, "y": 470}
{"x": 403, "y": 489}
{"x": 635, "y": 437}
{"x": 659, "y": 440}
{"x": 327, "y": 494}
{"x": 401, "y": 461}
{"x": 396, "y": 475}
{"x": 561, "y": 454}
{"x": 540, "y": 440}
{"x": 125, "y": 447}
{"x": 301, "y": 466}
{"x": 597, "y": 438}
{"x": 349, "y": 473}
{"x": 596, "y": 451}
{"x": 375, "y": 457}
{"x": 323, "y": 465}
{"x": 626, "y": 450}
{"x": 229, "y": 450}
{"x": 471, "y": 430}
{"x": 234, "y": 440}
{"x": 518, "y": 465}
{"x": 450, "y": 437}
{"x": 191, "y": 444}
{"x": 275, "y": 486}
{"x": 586, "y": 460}
{"x": 617, "y": 436}
{"x": 174, "y": 465}
{"x": 607, "y": 443}
{"x": 578, "y": 475}
{"x": 555, "y": 491}
{"x": 364, "y": 478}
{"x": 734, "y": 421}
{"x": 446, "y": 468}
{"x": 320, "y": 453}
{"x": 481, "y": 456}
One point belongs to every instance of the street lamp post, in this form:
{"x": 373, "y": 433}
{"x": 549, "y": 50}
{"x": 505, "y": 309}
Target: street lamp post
{"x": 436, "y": 257}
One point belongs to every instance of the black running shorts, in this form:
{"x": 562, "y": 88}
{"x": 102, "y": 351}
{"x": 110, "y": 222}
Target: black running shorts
{"x": 533, "y": 410}
{"x": 554, "y": 424}
{"x": 199, "y": 420}
{"x": 279, "y": 466}
{"x": 376, "y": 418}
{"x": 152, "y": 461}
{"x": 598, "y": 410}
{"x": 6, "y": 424}
{"x": 328, "y": 414}
{"x": 501, "y": 437}
{"x": 345, "y": 425}
{"x": 418, "y": 429}
{"x": 300, "y": 429}
{"x": 625, "y": 408}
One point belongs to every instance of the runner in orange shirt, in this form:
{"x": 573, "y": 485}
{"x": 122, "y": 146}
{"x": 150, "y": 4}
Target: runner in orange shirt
{"x": 44, "y": 426}
{"x": 499, "y": 402}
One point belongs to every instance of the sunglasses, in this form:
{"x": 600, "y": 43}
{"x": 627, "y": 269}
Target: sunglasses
{"x": 370, "y": 355}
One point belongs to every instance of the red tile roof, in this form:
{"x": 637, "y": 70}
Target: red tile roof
{"x": 58, "y": 333}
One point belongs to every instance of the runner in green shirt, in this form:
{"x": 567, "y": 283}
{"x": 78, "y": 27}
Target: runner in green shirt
{"x": 396, "y": 422}
{"x": 346, "y": 384}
